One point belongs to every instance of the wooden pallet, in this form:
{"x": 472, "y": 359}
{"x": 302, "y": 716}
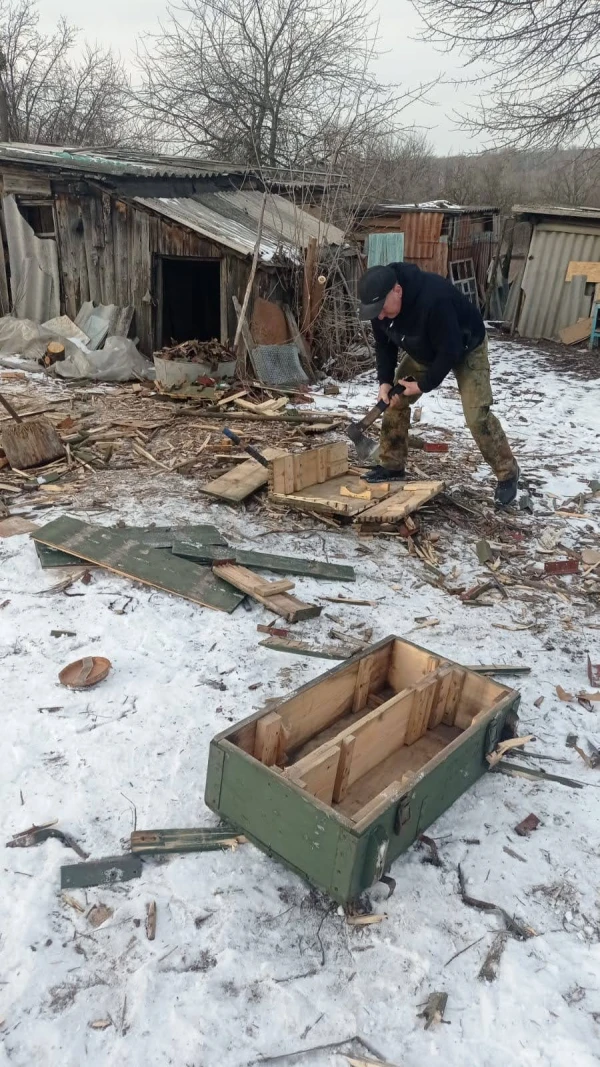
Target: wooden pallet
{"x": 320, "y": 480}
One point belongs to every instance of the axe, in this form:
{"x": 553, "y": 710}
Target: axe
{"x": 364, "y": 445}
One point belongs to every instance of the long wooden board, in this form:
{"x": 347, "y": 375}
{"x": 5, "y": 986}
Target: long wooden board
{"x": 243, "y": 480}
{"x": 125, "y": 556}
{"x": 267, "y": 593}
{"x": 305, "y": 568}
{"x": 411, "y": 496}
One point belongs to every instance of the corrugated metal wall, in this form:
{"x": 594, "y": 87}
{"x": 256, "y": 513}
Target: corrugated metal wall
{"x": 550, "y": 303}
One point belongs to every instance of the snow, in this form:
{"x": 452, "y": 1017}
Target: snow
{"x": 248, "y": 962}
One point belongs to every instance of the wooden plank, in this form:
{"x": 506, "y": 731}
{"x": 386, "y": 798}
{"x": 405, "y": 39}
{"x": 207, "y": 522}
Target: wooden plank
{"x": 363, "y": 682}
{"x": 243, "y": 480}
{"x": 289, "y": 607}
{"x": 310, "y": 468}
{"x": 325, "y": 497}
{"x": 320, "y": 777}
{"x": 400, "y": 766}
{"x": 440, "y": 700}
{"x": 379, "y": 802}
{"x": 402, "y": 503}
{"x": 576, "y": 332}
{"x": 320, "y": 703}
{"x": 305, "y": 568}
{"x": 125, "y": 556}
{"x": 409, "y": 664}
{"x": 478, "y": 694}
{"x": 302, "y": 648}
{"x": 453, "y": 696}
{"x": 585, "y": 268}
{"x": 423, "y": 699}
{"x": 268, "y": 733}
{"x": 377, "y": 734}
{"x": 340, "y": 787}
{"x": 15, "y": 525}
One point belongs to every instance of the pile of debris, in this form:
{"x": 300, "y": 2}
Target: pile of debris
{"x": 211, "y": 352}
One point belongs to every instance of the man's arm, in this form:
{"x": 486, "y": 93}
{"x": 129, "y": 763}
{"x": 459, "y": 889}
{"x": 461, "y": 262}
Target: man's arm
{"x": 386, "y": 354}
{"x": 446, "y": 339}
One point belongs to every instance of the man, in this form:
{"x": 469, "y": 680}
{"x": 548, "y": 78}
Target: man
{"x": 440, "y": 330}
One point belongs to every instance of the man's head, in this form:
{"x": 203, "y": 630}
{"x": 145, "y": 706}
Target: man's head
{"x": 380, "y": 294}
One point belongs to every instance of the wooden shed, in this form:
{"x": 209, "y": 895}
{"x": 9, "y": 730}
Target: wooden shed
{"x": 170, "y": 236}
{"x": 437, "y": 234}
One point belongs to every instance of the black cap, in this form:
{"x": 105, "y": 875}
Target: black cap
{"x": 373, "y": 288}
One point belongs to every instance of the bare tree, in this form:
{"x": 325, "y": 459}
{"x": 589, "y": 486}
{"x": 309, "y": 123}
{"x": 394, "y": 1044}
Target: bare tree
{"x": 48, "y": 97}
{"x": 536, "y": 65}
{"x": 270, "y": 82}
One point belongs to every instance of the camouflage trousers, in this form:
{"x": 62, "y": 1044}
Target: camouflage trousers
{"x": 473, "y": 377}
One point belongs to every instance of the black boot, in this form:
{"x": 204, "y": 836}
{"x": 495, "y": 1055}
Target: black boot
{"x": 506, "y": 491}
{"x": 383, "y": 474}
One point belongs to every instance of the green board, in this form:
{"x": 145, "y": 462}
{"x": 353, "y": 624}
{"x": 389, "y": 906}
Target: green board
{"x": 152, "y": 536}
{"x": 119, "y": 551}
{"x": 304, "y": 568}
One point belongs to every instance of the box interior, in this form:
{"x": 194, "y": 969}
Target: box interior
{"x": 366, "y": 730}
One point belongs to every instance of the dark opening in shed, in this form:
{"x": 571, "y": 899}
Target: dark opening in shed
{"x": 190, "y": 300}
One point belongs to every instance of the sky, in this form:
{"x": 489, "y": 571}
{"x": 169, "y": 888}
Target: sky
{"x": 406, "y": 60}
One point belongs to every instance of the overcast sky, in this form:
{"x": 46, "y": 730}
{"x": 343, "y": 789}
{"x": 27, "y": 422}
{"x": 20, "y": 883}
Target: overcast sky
{"x": 119, "y": 22}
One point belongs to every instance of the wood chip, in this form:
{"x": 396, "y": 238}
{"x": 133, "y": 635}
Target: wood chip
{"x": 151, "y": 920}
{"x": 563, "y": 695}
{"x": 98, "y": 914}
{"x": 364, "y": 920}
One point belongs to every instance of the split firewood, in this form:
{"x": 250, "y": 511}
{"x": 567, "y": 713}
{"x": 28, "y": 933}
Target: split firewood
{"x": 491, "y": 963}
{"x": 434, "y": 1009}
{"x": 151, "y": 920}
{"x": 505, "y": 746}
{"x": 514, "y": 927}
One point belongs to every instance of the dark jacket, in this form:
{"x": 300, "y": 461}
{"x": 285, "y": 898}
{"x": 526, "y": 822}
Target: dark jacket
{"x": 437, "y": 326}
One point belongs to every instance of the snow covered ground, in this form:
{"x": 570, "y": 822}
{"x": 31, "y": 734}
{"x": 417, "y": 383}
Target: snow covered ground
{"x": 249, "y": 965}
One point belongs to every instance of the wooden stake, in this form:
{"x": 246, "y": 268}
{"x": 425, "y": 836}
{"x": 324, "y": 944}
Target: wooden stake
{"x": 241, "y": 368}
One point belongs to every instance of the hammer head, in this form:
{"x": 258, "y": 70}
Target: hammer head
{"x": 365, "y": 446}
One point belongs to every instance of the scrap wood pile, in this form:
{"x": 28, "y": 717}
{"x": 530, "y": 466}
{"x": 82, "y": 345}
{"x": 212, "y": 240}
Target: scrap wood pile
{"x": 211, "y": 352}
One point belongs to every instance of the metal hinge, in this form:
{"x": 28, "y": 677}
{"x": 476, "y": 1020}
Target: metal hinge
{"x": 402, "y": 813}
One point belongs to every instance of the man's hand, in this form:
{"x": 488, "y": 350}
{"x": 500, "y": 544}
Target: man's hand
{"x": 384, "y": 394}
{"x": 410, "y": 388}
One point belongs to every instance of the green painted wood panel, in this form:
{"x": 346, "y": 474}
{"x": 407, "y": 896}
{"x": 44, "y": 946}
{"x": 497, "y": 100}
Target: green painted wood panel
{"x": 154, "y": 537}
{"x": 120, "y": 552}
{"x": 305, "y": 568}
{"x": 283, "y": 822}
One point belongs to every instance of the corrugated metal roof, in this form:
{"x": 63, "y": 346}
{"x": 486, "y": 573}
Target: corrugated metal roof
{"x": 389, "y": 207}
{"x": 127, "y": 163}
{"x": 549, "y": 302}
{"x": 231, "y": 219}
{"x": 114, "y": 163}
{"x": 549, "y": 211}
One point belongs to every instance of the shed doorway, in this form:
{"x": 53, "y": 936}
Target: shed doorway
{"x": 190, "y": 300}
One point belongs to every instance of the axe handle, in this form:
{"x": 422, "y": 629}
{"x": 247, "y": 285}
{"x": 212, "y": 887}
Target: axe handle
{"x": 379, "y": 408}
{"x": 247, "y": 448}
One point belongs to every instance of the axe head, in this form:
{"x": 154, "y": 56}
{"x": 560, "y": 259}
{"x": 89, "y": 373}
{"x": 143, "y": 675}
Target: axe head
{"x": 365, "y": 446}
